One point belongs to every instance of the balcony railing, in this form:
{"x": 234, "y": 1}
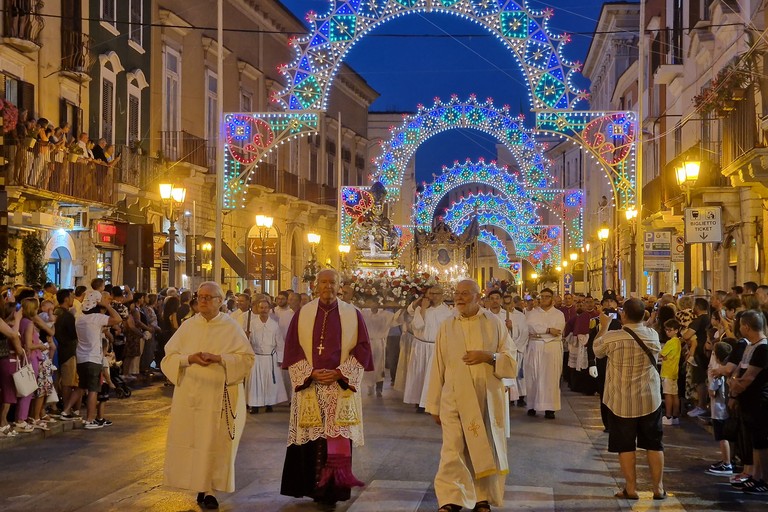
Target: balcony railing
{"x": 75, "y": 52}
{"x": 184, "y": 147}
{"x": 22, "y": 20}
{"x": 283, "y": 182}
{"x": 48, "y": 169}
{"x": 138, "y": 170}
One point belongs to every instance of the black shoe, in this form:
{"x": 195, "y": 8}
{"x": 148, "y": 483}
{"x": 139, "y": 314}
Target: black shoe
{"x": 550, "y": 415}
{"x": 268, "y": 409}
{"x": 200, "y": 497}
{"x": 521, "y": 402}
{"x": 419, "y": 409}
{"x": 531, "y": 412}
{"x": 254, "y": 410}
{"x": 210, "y": 502}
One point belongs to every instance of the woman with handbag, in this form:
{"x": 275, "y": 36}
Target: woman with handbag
{"x": 10, "y": 346}
{"x": 30, "y": 337}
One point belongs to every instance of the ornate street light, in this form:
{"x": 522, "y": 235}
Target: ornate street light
{"x": 585, "y": 250}
{"x": 602, "y": 234}
{"x": 264, "y": 223}
{"x": 631, "y": 215}
{"x": 173, "y": 198}
{"x": 312, "y": 268}
{"x": 343, "y": 251}
{"x": 207, "y": 264}
{"x": 686, "y": 175}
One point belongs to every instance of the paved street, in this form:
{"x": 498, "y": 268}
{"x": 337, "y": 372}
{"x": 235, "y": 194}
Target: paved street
{"x": 556, "y": 465}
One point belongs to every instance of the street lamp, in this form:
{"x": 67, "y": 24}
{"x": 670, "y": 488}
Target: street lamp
{"x": 686, "y": 175}
{"x": 207, "y": 264}
{"x": 264, "y": 223}
{"x": 631, "y": 215}
{"x": 173, "y": 198}
{"x": 343, "y": 251}
{"x": 585, "y": 270}
{"x": 602, "y": 235}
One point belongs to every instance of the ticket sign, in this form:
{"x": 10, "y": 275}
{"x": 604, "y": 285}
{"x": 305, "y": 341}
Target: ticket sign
{"x": 703, "y": 225}
{"x": 657, "y": 251}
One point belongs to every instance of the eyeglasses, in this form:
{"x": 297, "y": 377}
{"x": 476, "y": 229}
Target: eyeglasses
{"x": 545, "y": 296}
{"x": 463, "y": 294}
{"x": 208, "y": 298}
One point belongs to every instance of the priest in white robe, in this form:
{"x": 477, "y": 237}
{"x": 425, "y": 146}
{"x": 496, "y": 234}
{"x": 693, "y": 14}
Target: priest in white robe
{"x": 378, "y": 322}
{"x": 264, "y": 386}
{"x": 406, "y": 340}
{"x": 207, "y": 360}
{"x": 427, "y": 315}
{"x": 544, "y": 359}
{"x": 473, "y": 353}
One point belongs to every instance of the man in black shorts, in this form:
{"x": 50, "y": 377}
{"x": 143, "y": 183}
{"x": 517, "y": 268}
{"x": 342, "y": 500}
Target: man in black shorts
{"x": 633, "y": 395}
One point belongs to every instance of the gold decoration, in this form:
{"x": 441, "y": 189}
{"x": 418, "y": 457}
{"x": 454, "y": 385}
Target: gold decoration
{"x": 346, "y": 410}
{"x": 309, "y": 409}
{"x": 474, "y": 427}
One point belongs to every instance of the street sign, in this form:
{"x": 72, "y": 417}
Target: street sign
{"x": 703, "y": 225}
{"x": 568, "y": 283}
{"x": 657, "y": 254}
{"x": 678, "y": 251}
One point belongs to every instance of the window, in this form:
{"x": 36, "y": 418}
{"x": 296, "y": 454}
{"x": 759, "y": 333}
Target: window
{"x": 135, "y": 18}
{"x": 172, "y": 91}
{"x": 107, "y": 118}
{"x": 72, "y": 114}
{"x": 108, "y": 11}
{"x": 211, "y": 106}
{"x": 246, "y": 101}
{"x": 136, "y": 83}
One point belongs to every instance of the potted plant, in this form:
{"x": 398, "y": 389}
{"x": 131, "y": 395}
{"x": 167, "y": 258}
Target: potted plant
{"x": 75, "y": 152}
{"x": 10, "y": 115}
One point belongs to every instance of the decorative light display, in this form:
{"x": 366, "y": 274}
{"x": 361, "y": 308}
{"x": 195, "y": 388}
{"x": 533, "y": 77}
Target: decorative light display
{"x": 356, "y": 202}
{"x": 524, "y": 31}
{"x": 609, "y": 137}
{"x": 415, "y": 129}
{"x": 518, "y": 210}
{"x": 250, "y": 136}
{"x": 495, "y": 243}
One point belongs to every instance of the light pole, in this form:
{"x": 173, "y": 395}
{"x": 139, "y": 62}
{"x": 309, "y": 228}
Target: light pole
{"x": 559, "y": 270}
{"x": 535, "y": 277}
{"x": 602, "y": 235}
{"x": 585, "y": 250}
{"x": 207, "y": 264}
{"x": 686, "y": 175}
{"x": 264, "y": 223}
{"x": 631, "y": 215}
{"x": 173, "y": 199}
{"x": 573, "y": 257}
{"x": 343, "y": 251}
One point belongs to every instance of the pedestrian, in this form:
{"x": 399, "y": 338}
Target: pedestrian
{"x": 264, "y": 386}
{"x": 718, "y": 394}
{"x": 670, "y": 367}
{"x": 633, "y": 395}
{"x": 326, "y": 351}
{"x": 207, "y": 359}
{"x": 473, "y": 353}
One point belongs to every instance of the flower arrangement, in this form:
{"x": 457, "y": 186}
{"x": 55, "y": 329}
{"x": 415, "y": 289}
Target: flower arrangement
{"x": 10, "y": 115}
{"x": 388, "y": 287}
{"x": 727, "y": 86}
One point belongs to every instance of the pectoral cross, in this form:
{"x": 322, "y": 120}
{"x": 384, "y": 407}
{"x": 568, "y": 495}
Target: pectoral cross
{"x": 320, "y": 348}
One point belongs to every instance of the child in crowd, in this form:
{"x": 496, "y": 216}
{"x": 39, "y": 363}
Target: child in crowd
{"x": 106, "y": 383}
{"x": 718, "y": 393}
{"x": 670, "y": 366}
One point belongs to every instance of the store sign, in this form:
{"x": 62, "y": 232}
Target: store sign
{"x": 657, "y": 251}
{"x": 254, "y": 258}
{"x": 703, "y": 225}
{"x": 106, "y": 232}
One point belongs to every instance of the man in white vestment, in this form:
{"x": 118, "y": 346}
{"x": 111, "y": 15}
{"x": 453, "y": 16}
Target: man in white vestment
{"x": 518, "y": 328}
{"x": 243, "y": 303}
{"x": 406, "y": 340}
{"x": 264, "y": 387}
{"x": 427, "y": 315}
{"x": 377, "y": 321}
{"x": 544, "y": 359}
{"x": 473, "y": 353}
{"x": 207, "y": 359}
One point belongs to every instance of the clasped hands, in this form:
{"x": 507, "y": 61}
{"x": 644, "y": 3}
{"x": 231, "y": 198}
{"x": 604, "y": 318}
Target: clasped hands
{"x": 204, "y": 358}
{"x": 326, "y": 377}
{"x": 477, "y": 357}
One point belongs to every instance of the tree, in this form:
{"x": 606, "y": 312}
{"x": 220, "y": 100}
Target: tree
{"x": 34, "y": 267}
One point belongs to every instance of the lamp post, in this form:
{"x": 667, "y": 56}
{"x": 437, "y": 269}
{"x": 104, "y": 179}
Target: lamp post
{"x": 686, "y": 175}
{"x": 173, "y": 198}
{"x": 631, "y": 215}
{"x": 207, "y": 264}
{"x": 343, "y": 251}
{"x": 573, "y": 256}
{"x": 264, "y": 223}
{"x": 602, "y": 235}
{"x": 535, "y": 277}
{"x": 585, "y": 250}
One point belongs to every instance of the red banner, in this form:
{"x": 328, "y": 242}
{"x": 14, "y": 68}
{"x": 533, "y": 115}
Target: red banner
{"x": 271, "y": 248}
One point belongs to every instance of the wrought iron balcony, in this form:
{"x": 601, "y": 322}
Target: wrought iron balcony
{"x": 76, "y": 55}
{"x": 22, "y": 24}
{"x": 184, "y": 147}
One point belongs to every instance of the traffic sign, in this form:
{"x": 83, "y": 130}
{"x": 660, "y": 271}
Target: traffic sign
{"x": 703, "y": 225}
{"x": 568, "y": 283}
{"x": 678, "y": 251}
{"x": 657, "y": 254}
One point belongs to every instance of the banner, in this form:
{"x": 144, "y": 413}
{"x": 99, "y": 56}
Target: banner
{"x": 271, "y": 250}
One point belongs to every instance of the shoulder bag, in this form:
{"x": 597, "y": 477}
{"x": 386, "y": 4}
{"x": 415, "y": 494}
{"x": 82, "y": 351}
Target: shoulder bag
{"x": 24, "y": 377}
{"x": 643, "y": 346}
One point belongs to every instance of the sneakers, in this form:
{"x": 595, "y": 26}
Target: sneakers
{"x": 720, "y": 468}
{"x": 760, "y": 487}
{"x": 666, "y": 421}
{"x": 69, "y": 416}
{"x": 740, "y": 481}
{"x": 675, "y": 420}
{"x": 92, "y": 425}
{"x": 103, "y": 422}
{"x": 696, "y": 412}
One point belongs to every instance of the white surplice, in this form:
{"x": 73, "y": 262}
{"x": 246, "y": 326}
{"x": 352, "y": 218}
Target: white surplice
{"x": 200, "y": 449}
{"x": 264, "y": 386}
{"x": 378, "y": 325}
{"x": 284, "y": 317}
{"x": 425, "y": 326}
{"x": 543, "y": 364}
{"x": 470, "y": 401}
{"x": 406, "y": 339}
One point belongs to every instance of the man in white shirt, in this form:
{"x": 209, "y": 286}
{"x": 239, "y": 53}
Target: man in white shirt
{"x": 377, "y": 321}
{"x": 243, "y": 306}
{"x": 544, "y": 358}
{"x": 428, "y": 313}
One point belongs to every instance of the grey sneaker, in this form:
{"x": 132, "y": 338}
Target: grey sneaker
{"x": 720, "y": 468}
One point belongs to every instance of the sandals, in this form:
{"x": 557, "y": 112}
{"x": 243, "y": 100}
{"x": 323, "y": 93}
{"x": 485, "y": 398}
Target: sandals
{"x": 625, "y": 495}
{"x": 482, "y": 506}
{"x": 661, "y": 496}
{"x": 449, "y": 508}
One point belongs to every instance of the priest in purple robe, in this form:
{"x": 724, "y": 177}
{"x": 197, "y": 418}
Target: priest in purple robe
{"x": 326, "y": 352}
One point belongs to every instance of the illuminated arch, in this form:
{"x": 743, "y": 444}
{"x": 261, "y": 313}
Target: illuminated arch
{"x": 495, "y": 243}
{"x": 519, "y": 210}
{"x": 455, "y": 114}
{"x": 319, "y": 55}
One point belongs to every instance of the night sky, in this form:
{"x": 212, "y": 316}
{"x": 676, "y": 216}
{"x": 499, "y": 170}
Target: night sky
{"x": 408, "y": 65}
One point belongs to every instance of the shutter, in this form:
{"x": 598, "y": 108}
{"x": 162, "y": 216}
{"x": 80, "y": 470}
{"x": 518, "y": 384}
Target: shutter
{"x": 27, "y": 98}
{"x": 107, "y": 109}
{"x": 77, "y": 122}
{"x": 2, "y": 87}
{"x": 694, "y": 13}
{"x": 133, "y": 119}
{"x": 64, "y": 113}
